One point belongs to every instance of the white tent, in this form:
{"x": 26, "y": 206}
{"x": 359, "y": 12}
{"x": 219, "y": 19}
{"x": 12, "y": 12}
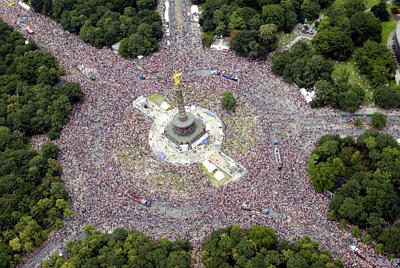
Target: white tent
{"x": 219, "y": 175}
{"x": 24, "y": 6}
{"x": 115, "y": 47}
{"x": 209, "y": 166}
{"x": 164, "y": 105}
{"x": 194, "y": 9}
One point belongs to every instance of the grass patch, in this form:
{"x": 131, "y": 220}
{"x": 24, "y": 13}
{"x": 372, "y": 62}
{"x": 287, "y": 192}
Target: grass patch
{"x": 387, "y": 28}
{"x": 286, "y": 38}
{"x": 211, "y": 176}
{"x": 368, "y": 3}
{"x": 153, "y": 98}
{"x": 357, "y": 78}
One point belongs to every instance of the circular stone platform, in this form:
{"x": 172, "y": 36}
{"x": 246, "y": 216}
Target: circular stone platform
{"x": 160, "y": 145}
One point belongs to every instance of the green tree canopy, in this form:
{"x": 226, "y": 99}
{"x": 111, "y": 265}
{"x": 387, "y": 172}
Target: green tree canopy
{"x": 228, "y": 101}
{"x": 122, "y": 248}
{"x": 367, "y": 194}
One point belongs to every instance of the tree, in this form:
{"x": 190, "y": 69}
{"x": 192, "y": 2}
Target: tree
{"x": 228, "y": 101}
{"x": 387, "y": 97}
{"x": 380, "y": 11}
{"x": 240, "y": 42}
{"x": 352, "y": 99}
{"x": 367, "y": 239}
{"x": 274, "y": 14}
{"x": 37, "y": 5}
{"x": 73, "y": 91}
{"x": 267, "y": 34}
{"x": 358, "y": 122}
{"x": 353, "y": 6}
{"x": 378, "y": 120}
{"x": 391, "y": 238}
{"x": 146, "y": 4}
{"x": 236, "y": 22}
{"x": 325, "y": 175}
{"x": 297, "y": 261}
{"x": 364, "y": 26}
{"x": 367, "y": 195}
{"x": 262, "y": 236}
{"x": 50, "y": 150}
{"x": 372, "y": 59}
{"x": 207, "y": 39}
{"x": 137, "y": 44}
{"x": 310, "y": 9}
{"x": 333, "y": 43}
{"x": 355, "y": 231}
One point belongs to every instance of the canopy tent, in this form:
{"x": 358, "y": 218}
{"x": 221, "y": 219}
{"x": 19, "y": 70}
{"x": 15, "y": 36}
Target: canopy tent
{"x": 165, "y": 105}
{"x": 161, "y": 155}
{"x": 194, "y": 9}
{"x": 209, "y": 166}
{"x": 219, "y": 175}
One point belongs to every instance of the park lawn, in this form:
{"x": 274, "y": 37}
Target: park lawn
{"x": 368, "y": 3}
{"x": 356, "y": 77}
{"x": 387, "y": 28}
{"x": 153, "y": 98}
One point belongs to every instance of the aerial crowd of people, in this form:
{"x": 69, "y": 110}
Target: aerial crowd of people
{"x": 105, "y": 125}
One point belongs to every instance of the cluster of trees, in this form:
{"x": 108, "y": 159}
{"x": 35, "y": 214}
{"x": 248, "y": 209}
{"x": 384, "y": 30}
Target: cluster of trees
{"x": 228, "y": 247}
{"x": 33, "y": 199}
{"x": 366, "y": 176}
{"x": 105, "y": 22}
{"x": 338, "y": 93}
{"x": 387, "y": 96}
{"x": 345, "y": 26}
{"x": 29, "y": 102}
{"x": 32, "y": 195}
{"x": 302, "y": 65}
{"x": 377, "y": 62}
{"x": 122, "y": 248}
{"x": 253, "y": 24}
{"x": 378, "y": 120}
{"x": 259, "y": 247}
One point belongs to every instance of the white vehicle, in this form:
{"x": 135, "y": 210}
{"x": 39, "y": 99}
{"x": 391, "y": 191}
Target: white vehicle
{"x": 354, "y": 248}
{"x": 24, "y": 5}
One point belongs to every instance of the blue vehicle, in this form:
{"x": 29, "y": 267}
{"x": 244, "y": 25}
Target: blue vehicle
{"x": 222, "y": 73}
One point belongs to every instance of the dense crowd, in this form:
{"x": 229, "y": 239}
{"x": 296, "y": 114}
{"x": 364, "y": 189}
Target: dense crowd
{"x": 104, "y": 124}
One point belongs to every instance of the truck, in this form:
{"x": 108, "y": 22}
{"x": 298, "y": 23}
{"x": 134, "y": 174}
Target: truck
{"x": 148, "y": 77}
{"x": 223, "y": 74}
{"x": 255, "y": 211}
{"x": 277, "y": 155}
{"x": 25, "y": 27}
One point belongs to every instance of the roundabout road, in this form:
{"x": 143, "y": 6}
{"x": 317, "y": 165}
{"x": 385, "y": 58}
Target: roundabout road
{"x": 105, "y": 126}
